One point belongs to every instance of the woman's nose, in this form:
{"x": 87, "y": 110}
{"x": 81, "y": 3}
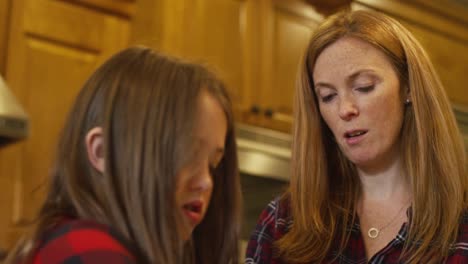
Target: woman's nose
{"x": 347, "y": 108}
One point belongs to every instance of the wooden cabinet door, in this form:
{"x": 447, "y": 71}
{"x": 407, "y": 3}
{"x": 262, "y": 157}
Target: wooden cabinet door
{"x": 287, "y": 28}
{"x": 53, "y": 47}
{"x": 217, "y": 33}
{"x": 254, "y": 45}
{"x": 4, "y": 23}
{"x": 214, "y": 32}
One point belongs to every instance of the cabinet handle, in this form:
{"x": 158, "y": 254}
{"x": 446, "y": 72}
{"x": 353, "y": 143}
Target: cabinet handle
{"x": 268, "y": 112}
{"x": 255, "y": 109}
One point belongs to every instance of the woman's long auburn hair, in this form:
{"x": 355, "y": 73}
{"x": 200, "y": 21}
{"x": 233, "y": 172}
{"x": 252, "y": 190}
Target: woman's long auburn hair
{"x": 324, "y": 185}
{"x": 146, "y": 104}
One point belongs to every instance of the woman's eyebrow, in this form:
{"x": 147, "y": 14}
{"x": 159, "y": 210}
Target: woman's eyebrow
{"x": 323, "y": 84}
{"x": 358, "y": 73}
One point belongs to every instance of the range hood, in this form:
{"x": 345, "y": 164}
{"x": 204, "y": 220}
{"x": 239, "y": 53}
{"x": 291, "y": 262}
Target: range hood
{"x": 13, "y": 119}
{"x": 263, "y": 152}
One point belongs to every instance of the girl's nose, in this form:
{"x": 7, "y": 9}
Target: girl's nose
{"x": 203, "y": 180}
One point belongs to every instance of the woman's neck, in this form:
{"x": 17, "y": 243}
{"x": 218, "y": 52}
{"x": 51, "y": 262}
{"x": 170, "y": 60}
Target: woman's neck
{"x": 386, "y": 183}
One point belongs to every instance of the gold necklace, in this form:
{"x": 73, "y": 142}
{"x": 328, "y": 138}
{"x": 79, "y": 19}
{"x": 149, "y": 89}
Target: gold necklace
{"x": 374, "y": 232}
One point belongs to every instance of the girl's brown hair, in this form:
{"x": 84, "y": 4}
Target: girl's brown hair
{"x": 146, "y": 104}
{"x": 324, "y": 184}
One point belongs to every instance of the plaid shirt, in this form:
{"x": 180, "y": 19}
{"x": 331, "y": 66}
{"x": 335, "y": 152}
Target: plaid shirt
{"x": 275, "y": 221}
{"x": 83, "y": 242}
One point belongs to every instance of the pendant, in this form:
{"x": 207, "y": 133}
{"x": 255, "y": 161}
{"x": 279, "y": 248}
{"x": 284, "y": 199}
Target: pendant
{"x": 373, "y": 232}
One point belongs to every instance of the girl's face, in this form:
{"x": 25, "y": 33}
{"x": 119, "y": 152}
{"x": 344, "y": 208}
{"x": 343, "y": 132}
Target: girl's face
{"x": 195, "y": 179}
{"x": 359, "y": 99}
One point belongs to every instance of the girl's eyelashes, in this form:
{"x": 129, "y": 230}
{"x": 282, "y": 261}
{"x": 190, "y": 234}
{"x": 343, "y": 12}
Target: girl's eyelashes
{"x": 213, "y": 169}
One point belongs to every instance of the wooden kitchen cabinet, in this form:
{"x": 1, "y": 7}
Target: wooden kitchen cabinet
{"x": 220, "y": 34}
{"x": 254, "y": 45}
{"x": 286, "y": 29}
{"x": 4, "y": 23}
{"x": 52, "y": 48}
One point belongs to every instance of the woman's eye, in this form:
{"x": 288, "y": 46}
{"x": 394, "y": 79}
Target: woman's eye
{"x": 366, "y": 89}
{"x": 327, "y": 98}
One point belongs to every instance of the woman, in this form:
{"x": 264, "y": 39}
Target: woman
{"x": 146, "y": 170}
{"x": 378, "y": 166}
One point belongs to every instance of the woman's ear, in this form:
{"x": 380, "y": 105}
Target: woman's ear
{"x": 95, "y": 148}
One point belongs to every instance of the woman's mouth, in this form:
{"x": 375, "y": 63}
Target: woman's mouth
{"x": 354, "y": 136}
{"x": 193, "y": 211}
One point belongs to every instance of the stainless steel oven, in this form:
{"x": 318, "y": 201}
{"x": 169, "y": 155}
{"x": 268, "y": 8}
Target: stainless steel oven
{"x": 257, "y": 193}
{"x": 264, "y": 161}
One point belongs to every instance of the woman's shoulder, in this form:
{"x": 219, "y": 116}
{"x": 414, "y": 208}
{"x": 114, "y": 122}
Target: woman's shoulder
{"x": 83, "y": 241}
{"x": 278, "y": 210}
{"x": 463, "y": 229}
{"x": 459, "y": 249}
{"x": 273, "y": 223}
{"x": 276, "y": 215}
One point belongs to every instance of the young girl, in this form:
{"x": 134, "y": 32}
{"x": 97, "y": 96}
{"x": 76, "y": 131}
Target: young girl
{"x": 146, "y": 170}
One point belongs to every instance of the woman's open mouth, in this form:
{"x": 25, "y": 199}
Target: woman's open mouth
{"x": 354, "y": 136}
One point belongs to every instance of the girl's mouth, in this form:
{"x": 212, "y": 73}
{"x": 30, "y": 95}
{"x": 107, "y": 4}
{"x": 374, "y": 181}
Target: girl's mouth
{"x": 193, "y": 211}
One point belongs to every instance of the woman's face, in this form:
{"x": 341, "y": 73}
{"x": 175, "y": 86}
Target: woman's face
{"x": 195, "y": 180}
{"x": 359, "y": 99}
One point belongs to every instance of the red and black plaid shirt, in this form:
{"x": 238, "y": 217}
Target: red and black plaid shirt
{"x": 275, "y": 221}
{"x": 83, "y": 242}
